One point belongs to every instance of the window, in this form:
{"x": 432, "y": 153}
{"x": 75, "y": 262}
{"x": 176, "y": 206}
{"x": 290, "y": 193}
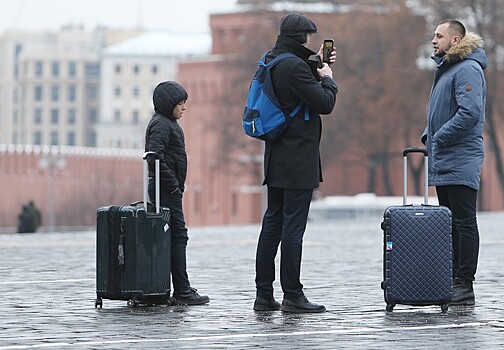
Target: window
{"x": 71, "y": 138}
{"x": 38, "y": 93}
{"x": 136, "y": 92}
{"x": 54, "y": 116}
{"x": 71, "y": 93}
{"x": 71, "y": 116}
{"x": 38, "y": 68}
{"x": 92, "y": 91}
{"x": 37, "y": 138}
{"x": 38, "y": 116}
{"x": 117, "y": 68}
{"x": 55, "y": 93}
{"x": 135, "y": 117}
{"x": 55, "y": 69}
{"x": 117, "y": 91}
{"x": 17, "y": 52}
{"x": 93, "y": 115}
{"x": 92, "y": 70}
{"x": 136, "y": 69}
{"x": 117, "y": 115}
{"x": 154, "y": 69}
{"x": 72, "y": 69}
{"x": 54, "y": 138}
{"x": 92, "y": 139}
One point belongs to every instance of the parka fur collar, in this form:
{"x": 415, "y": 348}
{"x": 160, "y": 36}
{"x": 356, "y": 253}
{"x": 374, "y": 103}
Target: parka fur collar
{"x": 467, "y": 45}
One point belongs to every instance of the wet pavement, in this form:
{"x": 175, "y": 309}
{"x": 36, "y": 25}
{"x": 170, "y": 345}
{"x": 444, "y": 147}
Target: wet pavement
{"x": 47, "y": 281}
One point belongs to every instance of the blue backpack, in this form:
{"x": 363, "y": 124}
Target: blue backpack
{"x": 263, "y": 118}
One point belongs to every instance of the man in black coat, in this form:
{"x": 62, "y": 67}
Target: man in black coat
{"x": 292, "y": 166}
{"x": 165, "y": 137}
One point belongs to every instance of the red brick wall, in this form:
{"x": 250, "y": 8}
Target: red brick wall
{"x": 86, "y": 179}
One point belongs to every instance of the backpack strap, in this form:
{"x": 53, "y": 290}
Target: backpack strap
{"x": 273, "y": 63}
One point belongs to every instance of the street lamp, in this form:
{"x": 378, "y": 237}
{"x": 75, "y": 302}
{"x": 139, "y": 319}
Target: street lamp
{"x": 52, "y": 159}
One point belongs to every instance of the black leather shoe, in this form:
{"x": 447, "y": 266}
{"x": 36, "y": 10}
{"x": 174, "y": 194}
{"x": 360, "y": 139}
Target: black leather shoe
{"x": 190, "y": 297}
{"x": 301, "y": 305}
{"x": 463, "y": 293}
{"x": 266, "y": 304}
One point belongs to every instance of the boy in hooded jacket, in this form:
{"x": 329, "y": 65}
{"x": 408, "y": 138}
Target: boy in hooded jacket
{"x": 165, "y": 137}
{"x": 454, "y": 140}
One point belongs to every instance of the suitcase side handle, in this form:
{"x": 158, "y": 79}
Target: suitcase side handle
{"x": 405, "y": 173}
{"x": 148, "y": 156}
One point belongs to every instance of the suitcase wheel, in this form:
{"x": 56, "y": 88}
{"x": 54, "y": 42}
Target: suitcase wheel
{"x": 132, "y": 303}
{"x": 98, "y": 302}
{"x": 390, "y": 307}
{"x": 445, "y": 307}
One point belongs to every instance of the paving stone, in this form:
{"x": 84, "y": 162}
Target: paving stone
{"x": 48, "y": 285}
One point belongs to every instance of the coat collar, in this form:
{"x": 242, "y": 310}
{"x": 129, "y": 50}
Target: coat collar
{"x": 284, "y": 43}
{"x": 467, "y": 46}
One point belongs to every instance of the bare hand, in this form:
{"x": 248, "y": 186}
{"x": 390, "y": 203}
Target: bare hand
{"x": 333, "y": 56}
{"x": 325, "y": 70}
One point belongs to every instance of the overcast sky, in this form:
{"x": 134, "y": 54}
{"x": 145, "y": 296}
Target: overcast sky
{"x": 177, "y": 15}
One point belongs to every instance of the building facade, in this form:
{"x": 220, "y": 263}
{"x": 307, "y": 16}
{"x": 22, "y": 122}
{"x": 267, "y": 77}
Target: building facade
{"x": 110, "y": 89}
{"x": 50, "y": 85}
{"x": 130, "y": 71}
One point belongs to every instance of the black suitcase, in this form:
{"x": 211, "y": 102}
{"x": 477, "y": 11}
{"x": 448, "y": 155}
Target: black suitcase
{"x": 133, "y": 250}
{"x": 417, "y": 250}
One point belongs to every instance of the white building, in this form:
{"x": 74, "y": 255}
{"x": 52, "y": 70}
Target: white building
{"x": 49, "y": 85}
{"x": 130, "y": 71}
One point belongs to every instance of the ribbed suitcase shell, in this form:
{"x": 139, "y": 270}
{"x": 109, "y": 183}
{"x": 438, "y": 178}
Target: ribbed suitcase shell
{"x": 133, "y": 253}
{"x": 417, "y": 251}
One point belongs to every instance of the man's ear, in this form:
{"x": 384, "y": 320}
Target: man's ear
{"x": 456, "y": 40}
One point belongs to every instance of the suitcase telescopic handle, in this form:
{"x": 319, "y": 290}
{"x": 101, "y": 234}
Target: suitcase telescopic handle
{"x": 405, "y": 173}
{"x": 148, "y": 156}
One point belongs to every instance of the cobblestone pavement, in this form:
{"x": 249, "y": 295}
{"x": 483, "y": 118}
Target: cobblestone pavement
{"x": 47, "y": 281}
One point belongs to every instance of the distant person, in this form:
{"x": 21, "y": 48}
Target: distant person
{"x": 35, "y": 216}
{"x": 23, "y": 220}
{"x": 29, "y": 219}
{"x": 292, "y": 167}
{"x": 165, "y": 137}
{"x": 454, "y": 139}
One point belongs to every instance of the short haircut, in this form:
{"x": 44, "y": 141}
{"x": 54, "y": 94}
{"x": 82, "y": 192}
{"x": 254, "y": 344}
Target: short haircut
{"x": 454, "y": 27}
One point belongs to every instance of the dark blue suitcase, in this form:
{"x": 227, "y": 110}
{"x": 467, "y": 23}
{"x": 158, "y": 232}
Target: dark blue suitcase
{"x": 417, "y": 250}
{"x": 133, "y": 251}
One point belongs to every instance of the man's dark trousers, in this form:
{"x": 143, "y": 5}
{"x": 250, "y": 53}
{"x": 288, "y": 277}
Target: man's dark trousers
{"x": 284, "y": 221}
{"x": 461, "y": 200}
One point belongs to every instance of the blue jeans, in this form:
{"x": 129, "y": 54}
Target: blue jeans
{"x": 179, "y": 237}
{"x": 284, "y": 221}
{"x": 461, "y": 200}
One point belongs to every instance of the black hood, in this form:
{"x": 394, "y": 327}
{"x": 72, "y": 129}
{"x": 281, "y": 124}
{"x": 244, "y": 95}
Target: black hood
{"x": 166, "y": 96}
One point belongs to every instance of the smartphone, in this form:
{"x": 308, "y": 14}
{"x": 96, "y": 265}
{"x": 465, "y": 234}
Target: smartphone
{"x": 327, "y": 49}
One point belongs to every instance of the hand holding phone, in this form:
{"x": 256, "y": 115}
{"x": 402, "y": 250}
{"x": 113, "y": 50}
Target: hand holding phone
{"x": 327, "y": 48}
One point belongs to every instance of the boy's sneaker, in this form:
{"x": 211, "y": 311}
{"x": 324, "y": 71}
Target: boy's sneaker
{"x": 463, "y": 293}
{"x": 190, "y": 297}
{"x": 266, "y": 304}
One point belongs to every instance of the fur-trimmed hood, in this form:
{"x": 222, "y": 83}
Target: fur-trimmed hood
{"x": 470, "y": 47}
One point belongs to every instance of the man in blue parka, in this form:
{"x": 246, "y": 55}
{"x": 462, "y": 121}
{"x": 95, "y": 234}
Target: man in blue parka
{"x": 454, "y": 139}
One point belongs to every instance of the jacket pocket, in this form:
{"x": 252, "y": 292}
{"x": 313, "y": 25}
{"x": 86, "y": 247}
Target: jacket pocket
{"x": 444, "y": 160}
